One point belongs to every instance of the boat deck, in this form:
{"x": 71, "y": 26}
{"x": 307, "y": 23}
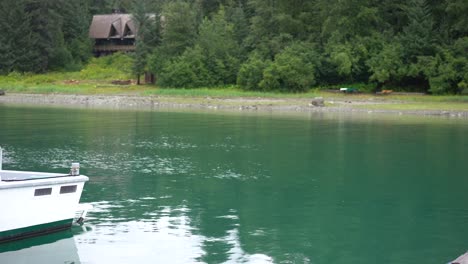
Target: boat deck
{"x": 9, "y": 176}
{"x": 20, "y": 179}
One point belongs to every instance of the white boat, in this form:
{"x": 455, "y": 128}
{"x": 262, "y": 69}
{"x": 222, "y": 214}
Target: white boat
{"x": 36, "y": 203}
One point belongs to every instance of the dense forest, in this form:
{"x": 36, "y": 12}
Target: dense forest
{"x": 282, "y": 45}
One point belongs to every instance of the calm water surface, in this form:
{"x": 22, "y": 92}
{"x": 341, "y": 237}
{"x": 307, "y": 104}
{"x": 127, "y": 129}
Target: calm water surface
{"x": 226, "y": 188}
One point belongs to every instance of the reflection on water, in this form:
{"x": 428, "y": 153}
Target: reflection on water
{"x": 166, "y": 235}
{"x": 39, "y": 250}
{"x": 163, "y": 236}
{"x": 197, "y": 188}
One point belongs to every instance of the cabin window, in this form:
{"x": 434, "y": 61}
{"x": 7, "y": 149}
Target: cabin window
{"x": 68, "y": 189}
{"x": 43, "y": 191}
{"x": 127, "y": 31}
{"x": 113, "y": 32}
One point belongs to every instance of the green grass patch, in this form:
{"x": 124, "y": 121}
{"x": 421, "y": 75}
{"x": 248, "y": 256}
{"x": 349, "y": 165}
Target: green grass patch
{"x": 430, "y": 98}
{"x": 417, "y": 106}
{"x": 225, "y": 92}
{"x": 99, "y": 73}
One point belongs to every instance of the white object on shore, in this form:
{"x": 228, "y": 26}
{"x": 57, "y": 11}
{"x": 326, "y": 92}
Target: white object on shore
{"x": 36, "y": 203}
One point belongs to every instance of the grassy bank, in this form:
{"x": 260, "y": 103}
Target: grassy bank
{"x": 99, "y": 76}
{"x": 72, "y": 83}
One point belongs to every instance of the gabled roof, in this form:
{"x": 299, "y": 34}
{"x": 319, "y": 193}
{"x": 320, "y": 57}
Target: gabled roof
{"x": 112, "y": 26}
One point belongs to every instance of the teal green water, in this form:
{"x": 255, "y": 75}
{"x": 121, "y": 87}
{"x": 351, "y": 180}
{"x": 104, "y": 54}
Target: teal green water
{"x": 226, "y": 188}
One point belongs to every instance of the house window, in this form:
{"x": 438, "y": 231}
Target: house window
{"x": 113, "y": 32}
{"x": 127, "y": 31}
{"x": 43, "y": 191}
{"x": 68, "y": 189}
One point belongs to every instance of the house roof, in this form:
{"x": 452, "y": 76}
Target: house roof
{"x": 112, "y": 26}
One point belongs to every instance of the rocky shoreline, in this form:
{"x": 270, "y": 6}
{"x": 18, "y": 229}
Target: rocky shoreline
{"x": 222, "y": 104}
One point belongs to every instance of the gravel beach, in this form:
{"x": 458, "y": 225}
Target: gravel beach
{"x": 136, "y": 102}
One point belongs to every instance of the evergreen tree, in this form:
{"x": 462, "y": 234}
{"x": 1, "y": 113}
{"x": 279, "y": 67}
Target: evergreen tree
{"x": 177, "y": 25}
{"x": 222, "y": 52}
{"x": 456, "y": 11}
{"x": 180, "y": 27}
{"x": 143, "y": 21}
{"x": 75, "y": 31}
{"x": 345, "y": 19}
{"x": 393, "y": 14}
{"x": 417, "y": 38}
{"x": 236, "y": 15}
{"x": 17, "y": 41}
{"x": 47, "y": 23}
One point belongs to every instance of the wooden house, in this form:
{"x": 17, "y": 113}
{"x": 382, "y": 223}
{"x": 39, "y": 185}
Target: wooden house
{"x": 112, "y": 33}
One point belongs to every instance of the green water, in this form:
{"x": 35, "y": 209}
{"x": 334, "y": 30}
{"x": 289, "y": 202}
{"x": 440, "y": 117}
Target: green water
{"x": 232, "y": 188}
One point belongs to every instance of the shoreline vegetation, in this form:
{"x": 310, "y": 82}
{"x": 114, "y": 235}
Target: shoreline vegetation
{"x": 107, "y": 83}
{"x": 102, "y": 95}
{"x": 258, "y": 45}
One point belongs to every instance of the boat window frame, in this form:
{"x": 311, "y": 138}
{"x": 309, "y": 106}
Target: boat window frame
{"x": 68, "y": 189}
{"x": 43, "y": 191}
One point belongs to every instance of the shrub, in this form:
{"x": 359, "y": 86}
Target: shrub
{"x": 386, "y": 65}
{"x": 292, "y": 70}
{"x": 186, "y": 71}
{"x": 251, "y": 73}
{"x": 447, "y": 70}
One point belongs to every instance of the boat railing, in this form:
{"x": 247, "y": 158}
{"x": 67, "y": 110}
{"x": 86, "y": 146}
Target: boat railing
{"x": 10, "y": 176}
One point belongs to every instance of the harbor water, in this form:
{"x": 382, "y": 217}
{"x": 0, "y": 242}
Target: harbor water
{"x": 179, "y": 187}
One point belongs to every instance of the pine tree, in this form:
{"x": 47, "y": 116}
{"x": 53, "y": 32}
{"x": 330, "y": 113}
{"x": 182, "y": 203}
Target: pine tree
{"x": 143, "y": 21}
{"x": 457, "y": 11}
{"x": 180, "y": 27}
{"x": 75, "y": 30}
{"x": 216, "y": 38}
{"x": 17, "y": 41}
{"x": 46, "y": 22}
{"x": 417, "y": 37}
{"x": 140, "y": 19}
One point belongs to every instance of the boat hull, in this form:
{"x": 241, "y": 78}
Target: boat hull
{"x": 36, "y": 230}
{"x": 36, "y": 207}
